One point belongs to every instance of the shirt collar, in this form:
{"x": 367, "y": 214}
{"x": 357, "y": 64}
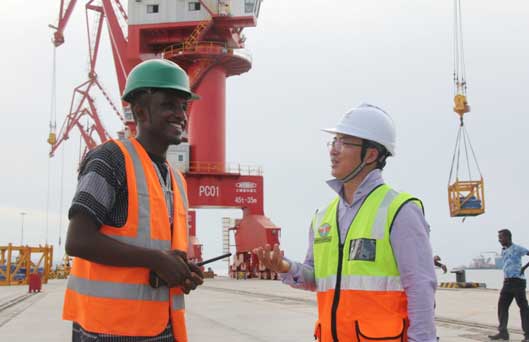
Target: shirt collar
{"x": 371, "y": 181}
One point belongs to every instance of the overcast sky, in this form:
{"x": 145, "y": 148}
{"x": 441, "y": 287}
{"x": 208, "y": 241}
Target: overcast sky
{"x": 312, "y": 61}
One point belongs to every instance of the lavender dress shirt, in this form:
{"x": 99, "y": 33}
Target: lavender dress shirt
{"x": 411, "y": 246}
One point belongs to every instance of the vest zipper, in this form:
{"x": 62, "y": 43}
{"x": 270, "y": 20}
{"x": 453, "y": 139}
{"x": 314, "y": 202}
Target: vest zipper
{"x": 336, "y": 299}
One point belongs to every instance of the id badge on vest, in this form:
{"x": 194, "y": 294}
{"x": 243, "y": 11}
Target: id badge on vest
{"x": 363, "y": 249}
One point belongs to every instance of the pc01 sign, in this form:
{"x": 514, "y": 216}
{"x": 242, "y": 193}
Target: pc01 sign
{"x": 208, "y": 191}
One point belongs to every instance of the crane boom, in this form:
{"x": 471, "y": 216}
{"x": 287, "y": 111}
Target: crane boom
{"x": 82, "y": 103}
{"x": 64, "y": 17}
{"x": 118, "y": 43}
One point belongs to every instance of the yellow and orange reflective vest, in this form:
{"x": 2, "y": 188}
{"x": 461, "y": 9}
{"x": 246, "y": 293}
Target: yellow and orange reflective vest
{"x": 360, "y": 296}
{"x": 119, "y": 300}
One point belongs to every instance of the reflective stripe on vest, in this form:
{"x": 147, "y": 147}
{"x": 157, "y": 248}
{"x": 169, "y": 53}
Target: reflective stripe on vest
{"x": 106, "y": 289}
{"x": 178, "y": 179}
{"x": 379, "y": 227}
{"x": 356, "y": 282}
{"x": 181, "y": 189}
{"x": 178, "y": 302}
{"x": 143, "y": 237}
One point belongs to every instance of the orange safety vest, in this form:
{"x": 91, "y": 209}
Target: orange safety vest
{"x": 119, "y": 300}
{"x": 360, "y": 296}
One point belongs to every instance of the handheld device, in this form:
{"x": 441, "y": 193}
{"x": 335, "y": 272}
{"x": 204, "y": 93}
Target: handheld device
{"x": 202, "y": 263}
{"x": 156, "y": 281}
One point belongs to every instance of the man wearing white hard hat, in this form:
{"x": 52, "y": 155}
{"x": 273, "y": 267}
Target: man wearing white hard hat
{"x": 369, "y": 257}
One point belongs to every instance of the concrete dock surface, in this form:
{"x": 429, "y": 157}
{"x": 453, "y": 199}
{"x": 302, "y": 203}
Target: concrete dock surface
{"x": 224, "y": 309}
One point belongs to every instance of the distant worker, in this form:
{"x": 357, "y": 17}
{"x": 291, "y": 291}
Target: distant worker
{"x": 514, "y": 285}
{"x": 437, "y": 262}
{"x": 129, "y": 217}
{"x": 369, "y": 256}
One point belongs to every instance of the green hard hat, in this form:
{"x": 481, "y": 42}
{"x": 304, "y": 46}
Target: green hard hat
{"x": 157, "y": 73}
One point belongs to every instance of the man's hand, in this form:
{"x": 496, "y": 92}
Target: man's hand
{"x": 437, "y": 263}
{"x": 177, "y": 272}
{"x": 197, "y": 278}
{"x": 272, "y": 258}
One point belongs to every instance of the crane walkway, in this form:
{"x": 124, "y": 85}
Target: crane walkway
{"x": 248, "y": 310}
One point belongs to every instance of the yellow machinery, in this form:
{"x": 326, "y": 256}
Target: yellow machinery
{"x": 62, "y": 270}
{"x": 466, "y": 196}
{"x": 16, "y": 263}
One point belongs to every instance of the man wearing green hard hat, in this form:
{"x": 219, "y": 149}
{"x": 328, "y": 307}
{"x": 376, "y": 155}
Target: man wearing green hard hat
{"x": 128, "y": 220}
{"x": 157, "y": 74}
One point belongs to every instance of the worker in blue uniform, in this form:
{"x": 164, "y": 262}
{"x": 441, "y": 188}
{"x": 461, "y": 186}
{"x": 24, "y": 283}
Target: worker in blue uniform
{"x": 514, "y": 285}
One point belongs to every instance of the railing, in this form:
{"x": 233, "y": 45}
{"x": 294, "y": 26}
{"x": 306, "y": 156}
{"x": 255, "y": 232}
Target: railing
{"x": 215, "y": 168}
{"x": 193, "y": 39}
{"x": 201, "y": 47}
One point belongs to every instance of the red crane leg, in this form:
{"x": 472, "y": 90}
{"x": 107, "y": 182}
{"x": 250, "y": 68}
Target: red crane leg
{"x": 207, "y": 120}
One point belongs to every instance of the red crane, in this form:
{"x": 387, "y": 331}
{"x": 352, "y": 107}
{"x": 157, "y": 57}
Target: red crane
{"x": 205, "y": 38}
{"x": 82, "y": 104}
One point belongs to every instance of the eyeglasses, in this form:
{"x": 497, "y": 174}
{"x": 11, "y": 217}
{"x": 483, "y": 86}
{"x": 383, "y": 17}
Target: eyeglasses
{"x": 338, "y": 145}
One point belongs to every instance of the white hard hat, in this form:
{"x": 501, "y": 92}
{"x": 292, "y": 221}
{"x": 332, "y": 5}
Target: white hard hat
{"x": 368, "y": 122}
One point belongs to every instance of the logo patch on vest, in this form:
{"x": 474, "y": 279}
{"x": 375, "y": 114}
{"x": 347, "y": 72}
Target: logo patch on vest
{"x": 363, "y": 249}
{"x": 324, "y": 230}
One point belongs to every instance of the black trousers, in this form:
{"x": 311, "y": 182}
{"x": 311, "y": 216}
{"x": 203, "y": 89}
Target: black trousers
{"x": 513, "y": 288}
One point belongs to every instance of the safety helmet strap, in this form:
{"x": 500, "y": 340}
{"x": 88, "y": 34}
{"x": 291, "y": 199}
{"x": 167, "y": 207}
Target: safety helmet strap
{"x": 354, "y": 172}
{"x": 351, "y": 175}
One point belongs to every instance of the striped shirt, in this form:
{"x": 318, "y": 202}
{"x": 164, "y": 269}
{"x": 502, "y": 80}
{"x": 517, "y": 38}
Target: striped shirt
{"x": 102, "y": 191}
{"x": 102, "y": 194}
